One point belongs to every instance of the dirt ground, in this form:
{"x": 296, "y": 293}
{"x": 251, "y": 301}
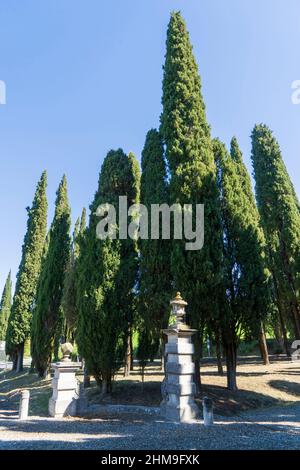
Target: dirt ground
{"x": 259, "y": 387}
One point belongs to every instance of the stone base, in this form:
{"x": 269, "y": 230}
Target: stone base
{"x": 180, "y": 414}
{"x": 65, "y": 390}
{"x": 59, "y": 409}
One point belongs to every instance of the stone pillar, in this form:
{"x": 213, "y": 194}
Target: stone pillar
{"x": 24, "y": 404}
{"x": 64, "y": 386}
{"x": 208, "y": 415}
{"x": 179, "y": 404}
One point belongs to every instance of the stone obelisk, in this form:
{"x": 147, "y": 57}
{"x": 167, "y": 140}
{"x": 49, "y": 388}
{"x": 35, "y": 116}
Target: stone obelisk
{"x": 179, "y": 404}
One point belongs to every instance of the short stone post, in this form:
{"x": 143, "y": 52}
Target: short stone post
{"x": 178, "y": 404}
{"x": 24, "y": 404}
{"x": 208, "y": 415}
{"x": 64, "y": 385}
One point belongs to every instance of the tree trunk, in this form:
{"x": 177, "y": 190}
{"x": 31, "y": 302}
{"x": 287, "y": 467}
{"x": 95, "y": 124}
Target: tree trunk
{"x": 32, "y": 368}
{"x": 131, "y": 349}
{"x": 163, "y": 352}
{"x": 197, "y": 376}
{"x": 219, "y": 353}
{"x": 106, "y": 386}
{"x": 86, "y": 378}
{"x": 281, "y": 317}
{"x": 45, "y": 374}
{"x": 197, "y": 357}
{"x": 284, "y": 334}
{"x": 14, "y": 362}
{"x": 278, "y": 335}
{"x": 128, "y": 357}
{"x": 20, "y": 357}
{"x": 231, "y": 359}
{"x": 263, "y": 346}
{"x": 296, "y": 315}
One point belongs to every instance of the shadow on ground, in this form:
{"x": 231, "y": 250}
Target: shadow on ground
{"x": 292, "y": 388}
{"x": 140, "y": 432}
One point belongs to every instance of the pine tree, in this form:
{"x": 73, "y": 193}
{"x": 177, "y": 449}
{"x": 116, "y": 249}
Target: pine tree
{"x": 186, "y": 135}
{"x": 28, "y": 274}
{"x": 69, "y": 292}
{"x": 279, "y": 211}
{"x": 155, "y": 282}
{"x": 243, "y": 245}
{"x": 107, "y": 272}
{"x": 5, "y": 307}
{"x": 47, "y": 314}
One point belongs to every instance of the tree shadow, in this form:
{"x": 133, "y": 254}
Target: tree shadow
{"x": 229, "y": 403}
{"x": 139, "y": 433}
{"x": 291, "y": 388}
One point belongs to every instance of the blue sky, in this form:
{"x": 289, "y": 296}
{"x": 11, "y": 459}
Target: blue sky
{"x": 85, "y": 77}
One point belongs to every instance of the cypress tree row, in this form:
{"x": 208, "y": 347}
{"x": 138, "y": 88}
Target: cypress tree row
{"x": 243, "y": 244}
{"x": 154, "y": 283}
{"x": 28, "y": 274}
{"x": 47, "y": 317}
{"x": 107, "y": 273}
{"x": 279, "y": 210}
{"x": 186, "y": 135}
{"x": 69, "y": 292}
{"x": 5, "y": 307}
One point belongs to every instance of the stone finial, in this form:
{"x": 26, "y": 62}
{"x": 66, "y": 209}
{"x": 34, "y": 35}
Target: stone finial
{"x": 178, "y": 308}
{"x": 67, "y": 350}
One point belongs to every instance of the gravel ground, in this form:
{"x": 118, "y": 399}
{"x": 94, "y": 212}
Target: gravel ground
{"x": 276, "y": 428}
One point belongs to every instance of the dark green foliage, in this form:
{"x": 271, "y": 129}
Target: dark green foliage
{"x": 154, "y": 285}
{"x": 5, "y": 307}
{"x": 186, "y": 135}
{"x": 243, "y": 241}
{"x": 28, "y": 274}
{"x": 279, "y": 211}
{"x": 107, "y": 271}
{"x": 69, "y": 292}
{"x": 246, "y": 276}
{"x": 47, "y": 318}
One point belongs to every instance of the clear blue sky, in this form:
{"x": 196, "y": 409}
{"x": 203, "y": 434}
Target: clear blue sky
{"x": 85, "y": 77}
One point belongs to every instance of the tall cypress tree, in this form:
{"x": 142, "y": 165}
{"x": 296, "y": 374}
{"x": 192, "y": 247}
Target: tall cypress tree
{"x": 243, "y": 244}
{"x": 155, "y": 282}
{"x": 186, "y": 135}
{"x": 47, "y": 313}
{"x": 5, "y": 307}
{"x": 107, "y": 272}
{"x": 69, "y": 292}
{"x": 129, "y": 266}
{"x": 279, "y": 210}
{"x": 28, "y": 274}
{"x": 256, "y": 290}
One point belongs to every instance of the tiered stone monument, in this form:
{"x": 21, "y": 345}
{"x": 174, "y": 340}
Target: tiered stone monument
{"x": 178, "y": 404}
{"x": 64, "y": 385}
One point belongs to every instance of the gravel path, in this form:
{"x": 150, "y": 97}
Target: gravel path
{"x": 276, "y": 428}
